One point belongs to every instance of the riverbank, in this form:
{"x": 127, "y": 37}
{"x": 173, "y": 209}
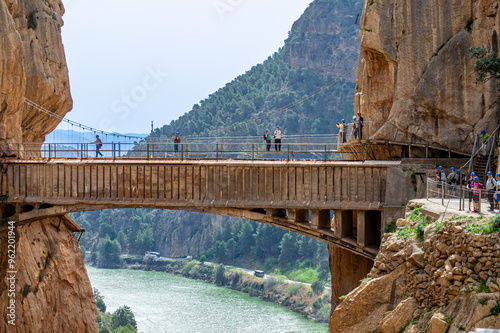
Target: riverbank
{"x": 297, "y": 297}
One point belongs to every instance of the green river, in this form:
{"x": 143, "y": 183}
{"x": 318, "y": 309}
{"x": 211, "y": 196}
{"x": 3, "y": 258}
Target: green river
{"x": 164, "y": 302}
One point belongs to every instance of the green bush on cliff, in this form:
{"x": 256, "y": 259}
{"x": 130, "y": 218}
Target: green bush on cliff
{"x": 487, "y": 64}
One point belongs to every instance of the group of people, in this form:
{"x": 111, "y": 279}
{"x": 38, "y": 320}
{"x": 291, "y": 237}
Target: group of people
{"x": 357, "y": 128}
{"x": 455, "y": 179}
{"x": 277, "y": 139}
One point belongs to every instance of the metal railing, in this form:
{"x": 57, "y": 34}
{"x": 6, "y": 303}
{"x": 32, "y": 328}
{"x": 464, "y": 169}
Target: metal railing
{"x": 222, "y": 150}
{"x": 458, "y": 195}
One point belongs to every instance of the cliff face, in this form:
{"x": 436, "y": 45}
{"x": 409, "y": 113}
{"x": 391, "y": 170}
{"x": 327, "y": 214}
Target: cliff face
{"x": 324, "y": 39}
{"x": 446, "y": 282}
{"x": 416, "y": 75}
{"x": 34, "y": 67}
{"x": 53, "y": 292}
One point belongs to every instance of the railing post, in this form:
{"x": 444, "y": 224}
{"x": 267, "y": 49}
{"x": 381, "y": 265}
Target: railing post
{"x": 479, "y": 208}
{"x": 427, "y": 190}
{"x": 442, "y": 193}
{"x": 217, "y": 151}
{"x": 325, "y": 153}
{"x": 182, "y": 152}
{"x": 253, "y": 151}
{"x": 147, "y": 149}
{"x": 114, "y": 150}
{"x": 49, "y": 151}
{"x": 18, "y": 150}
{"x": 119, "y": 149}
{"x": 288, "y": 153}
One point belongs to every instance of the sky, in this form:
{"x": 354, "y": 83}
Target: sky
{"x": 134, "y": 62}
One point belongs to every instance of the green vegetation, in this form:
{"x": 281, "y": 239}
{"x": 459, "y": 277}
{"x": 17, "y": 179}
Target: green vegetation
{"x": 482, "y": 288}
{"x": 483, "y": 301}
{"x": 294, "y": 289}
{"x": 492, "y": 225}
{"x": 405, "y": 232}
{"x": 418, "y": 231}
{"x": 391, "y": 227}
{"x": 448, "y": 319}
{"x": 437, "y": 226}
{"x": 495, "y": 311}
{"x": 487, "y": 64}
{"x": 460, "y": 328}
{"x": 317, "y": 287}
{"x": 121, "y": 321}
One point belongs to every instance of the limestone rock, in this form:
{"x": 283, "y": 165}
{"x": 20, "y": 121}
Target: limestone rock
{"x": 365, "y": 306}
{"x": 438, "y": 324}
{"x": 416, "y": 75}
{"x": 54, "y": 291}
{"x": 34, "y": 67}
{"x": 398, "y": 318}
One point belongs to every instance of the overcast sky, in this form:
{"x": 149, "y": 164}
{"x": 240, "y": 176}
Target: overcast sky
{"x": 131, "y": 62}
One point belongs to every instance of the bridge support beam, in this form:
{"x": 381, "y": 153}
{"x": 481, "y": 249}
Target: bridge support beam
{"x": 299, "y": 215}
{"x": 320, "y": 219}
{"x": 344, "y": 223}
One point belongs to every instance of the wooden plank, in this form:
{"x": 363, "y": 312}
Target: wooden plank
{"x": 337, "y": 183}
{"x": 361, "y": 180}
{"x": 254, "y": 189}
{"x": 161, "y": 182}
{"x": 81, "y": 181}
{"x": 376, "y": 183}
{"x": 276, "y": 172}
{"x": 22, "y": 180}
{"x": 127, "y": 182}
{"x": 369, "y": 185}
{"x": 147, "y": 181}
{"x": 155, "y": 182}
{"x": 292, "y": 196}
{"x": 189, "y": 182}
{"x": 175, "y": 182}
{"x": 168, "y": 182}
{"x": 330, "y": 191}
{"x": 264, "y": 192}
{"x": 196, "y": 183}
{"x": 93, "y": 181}
{"x": 141, "y": 180}
{"x": 382, "y": 184}
{"x": 134, "y": 190}
{"x": 345, "y": 184}
{"x": 299, "y": 184}
{"x": 29, "y": 180}
{"x": 107, "y": 180}
{"x": 211, "y": 183}
{"x": 74, "y": 181}
{"x": 55, "y": 180}
{"x": 182, "y": 182}
{"x": 307, "y": 184}
{"x": 203, "y": 183}
{"x": 244, "y": 186}
{"x": 217, "y": 181}
{"x": 322, "y": 184}
{"x": 314, "y": 184}
{"x": 10, "y": 176}
{"x": 114, "y": 181}
{"x": 232, "y": 183}
{"x": 101, "y": 180}
{"x": 66, "y": 171}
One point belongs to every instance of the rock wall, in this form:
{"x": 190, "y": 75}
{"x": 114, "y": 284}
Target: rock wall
{"x": 415, "y": 73}
{"x": 53, "y": 291}
{"x": 448, "y": 280}
{"x": 34, "y": 67}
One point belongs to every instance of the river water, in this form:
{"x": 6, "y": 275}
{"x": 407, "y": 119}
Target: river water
{"x": 163, "y": 302}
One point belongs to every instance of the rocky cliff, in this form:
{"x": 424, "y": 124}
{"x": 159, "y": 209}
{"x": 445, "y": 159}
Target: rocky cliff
{"x": 34, "y": 67}
{"x": 416, "y": 74}
{"x": 324, "y": 39}
{"x": 52, "y": 290}
{"x": 441, "y": 277}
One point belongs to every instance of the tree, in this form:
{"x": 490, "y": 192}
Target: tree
{"x": 203, "y": 258}
{"x": 317, "y": 287}
{"x": 220, "y": 250}
{"x": 231, "y": 248}
{"x": 109, "y": 252}
{"x": 288, "y": 247}
{"x": 144, "y": 240}
{"x": 487, "y": 63}
{"x": 220, "y": 275}
{"x": 123, "y": 316}
{"x": 125, "y": 329}
{"x": 122, "y": 239}
{"x": 246, "y": 239}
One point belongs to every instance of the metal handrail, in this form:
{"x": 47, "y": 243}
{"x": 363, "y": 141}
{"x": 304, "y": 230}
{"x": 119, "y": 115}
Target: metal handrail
{"x": 489, "y": 156}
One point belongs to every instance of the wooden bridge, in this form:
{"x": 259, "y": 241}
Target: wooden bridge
{"x": 343, "y": 203}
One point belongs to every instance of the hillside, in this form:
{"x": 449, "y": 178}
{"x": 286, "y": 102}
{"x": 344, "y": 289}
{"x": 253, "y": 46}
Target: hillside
{"x": 322, "y": 45}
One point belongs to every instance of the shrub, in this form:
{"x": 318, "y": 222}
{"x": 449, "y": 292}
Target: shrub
{"x": 317, "y": 287}
{"x": 100, "y": 305}
{"x": 482, "y": 288}
{"x": 294, "y": 289}
{"x": 495, "y": 310}
{"x": 317, "y": 304}
{"x": 391, "y": 227}
{"x": 219, "y": 275}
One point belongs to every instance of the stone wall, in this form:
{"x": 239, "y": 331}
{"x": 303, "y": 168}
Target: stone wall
{"x": 450, "y": 279}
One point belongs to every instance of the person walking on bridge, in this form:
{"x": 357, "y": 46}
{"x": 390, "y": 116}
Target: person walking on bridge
{"x": 277, "y": 138}
{"x": 361, "y": 124}
{"x": 470, "y": 187}
{"x": 267, "y": 137}
{"x": 441, "y": 179}
{"x": 177, "y": 140}
{"x": 355, "y": 127}
{"x": 98, "y": 146}
{"x": 342, "y": 131}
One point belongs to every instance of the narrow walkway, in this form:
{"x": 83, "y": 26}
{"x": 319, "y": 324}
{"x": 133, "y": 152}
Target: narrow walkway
{"x": 434, "y": 208}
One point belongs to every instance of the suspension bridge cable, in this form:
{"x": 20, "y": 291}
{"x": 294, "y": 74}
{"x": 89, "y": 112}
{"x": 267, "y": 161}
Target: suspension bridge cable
{"x": 82, "y": 126}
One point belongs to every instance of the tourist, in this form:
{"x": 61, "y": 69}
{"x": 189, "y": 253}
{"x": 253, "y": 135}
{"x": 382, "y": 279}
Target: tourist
{"x": 355, "y": 127}
{"x": 98, "y": 146}
{"x": 497, "y": 192}
{"x": 267, "y": 137}
{"x": 484, "y": 140}
{"x": 477, "y": 190}
{"x": 441, "y": 178}
{"x": 277, "y": 138}
{"x": 470, "y": 186}
{"x": 177, "y": 140}
{"x": 361, "y": 124}
{"x": 491, "y": 186}
{"x": 452, "y": 180}
{"x": 342, "y": 131}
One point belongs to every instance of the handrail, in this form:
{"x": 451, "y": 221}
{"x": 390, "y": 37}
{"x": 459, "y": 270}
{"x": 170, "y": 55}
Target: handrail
{"x": 479, "y": 148}
{"x": 489, "y": 156}
{"x": 472, "y": 154}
